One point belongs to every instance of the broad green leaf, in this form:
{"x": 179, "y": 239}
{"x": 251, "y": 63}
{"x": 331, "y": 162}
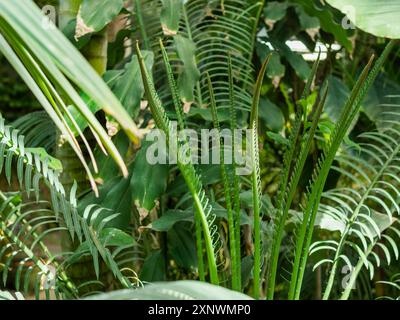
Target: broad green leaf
{"x": 115, "y": 237}
{"x": 93, "y": 15}
{"x": 275, "y": 10}
{"x": 153, "y": 268}
{"x": 223, "y": 114}
{"x": 337, "y": 97}
{"x": 115, "y": 195}
{"x": 306, "y": 21}
{"x": 178, "y": 290}
{"x": 278, "y": 138}
{"x": 107, "y": 167}
{"x": 384, "y": 92}
{"x": 271, "y": 114}
{"x": 326, "y": 20}
{"x": 109, "y": 237}
{"x": 169, "y": 218}
{"x": 182, "y": 245}
{"x": 170, "y": 16}
{"x": 380, "y": 18}
{"x": 299, "y": 65}
{"x": 128, "y": 86}
{"x": 148, "y": 181}
{"x": 276, "y": 70}
{"x": 189, "y": 74}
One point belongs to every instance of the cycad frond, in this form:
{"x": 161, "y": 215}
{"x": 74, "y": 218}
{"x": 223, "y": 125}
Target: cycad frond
{"x": 348, "y": 114}
{"x": 218, "y": 30}
{"x": 19, "y": 223}
{"x": 372, "y": 174}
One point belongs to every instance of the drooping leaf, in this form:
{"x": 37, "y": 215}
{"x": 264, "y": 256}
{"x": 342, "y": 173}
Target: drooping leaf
{"x": 275, "y": 10}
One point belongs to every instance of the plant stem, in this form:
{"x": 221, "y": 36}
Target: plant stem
{"x": 256, "y": 181}
{"x": 199, "y": 248}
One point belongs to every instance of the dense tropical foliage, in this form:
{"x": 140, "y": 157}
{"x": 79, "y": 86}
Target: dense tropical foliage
{"x": 313, "y": 215}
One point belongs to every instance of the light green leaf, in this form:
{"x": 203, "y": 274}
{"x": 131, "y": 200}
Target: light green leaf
{"x": 170, "y": 16}
{"x": 178, "y": 290}
{"x": 128, "y": 86}
{"x": 381, "y": 18}
{"x": 189, "y": 74}
{"x": 93, "y": 15}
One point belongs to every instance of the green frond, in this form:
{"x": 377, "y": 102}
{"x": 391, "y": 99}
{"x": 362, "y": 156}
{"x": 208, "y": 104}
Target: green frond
{"x": 256, "y": 179}
{"x": 319, "y": 177}
{"x": 291, "y": 176}
{"x": 21, "y": 223}
{"x": 201, "y": 201}
{"x": 360, "y": 212}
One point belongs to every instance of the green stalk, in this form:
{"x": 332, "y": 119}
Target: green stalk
{"x": 316, "y": 192}
{"x": 201, "y": 202}
{"x": 180, "y": 116}
{"x": 231, "y": 224}
{"x": 288, "y": 186}
{"x": 199, "y": 248}
{"x": 256, "y": 181}
{"x": 235, "y": 190}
